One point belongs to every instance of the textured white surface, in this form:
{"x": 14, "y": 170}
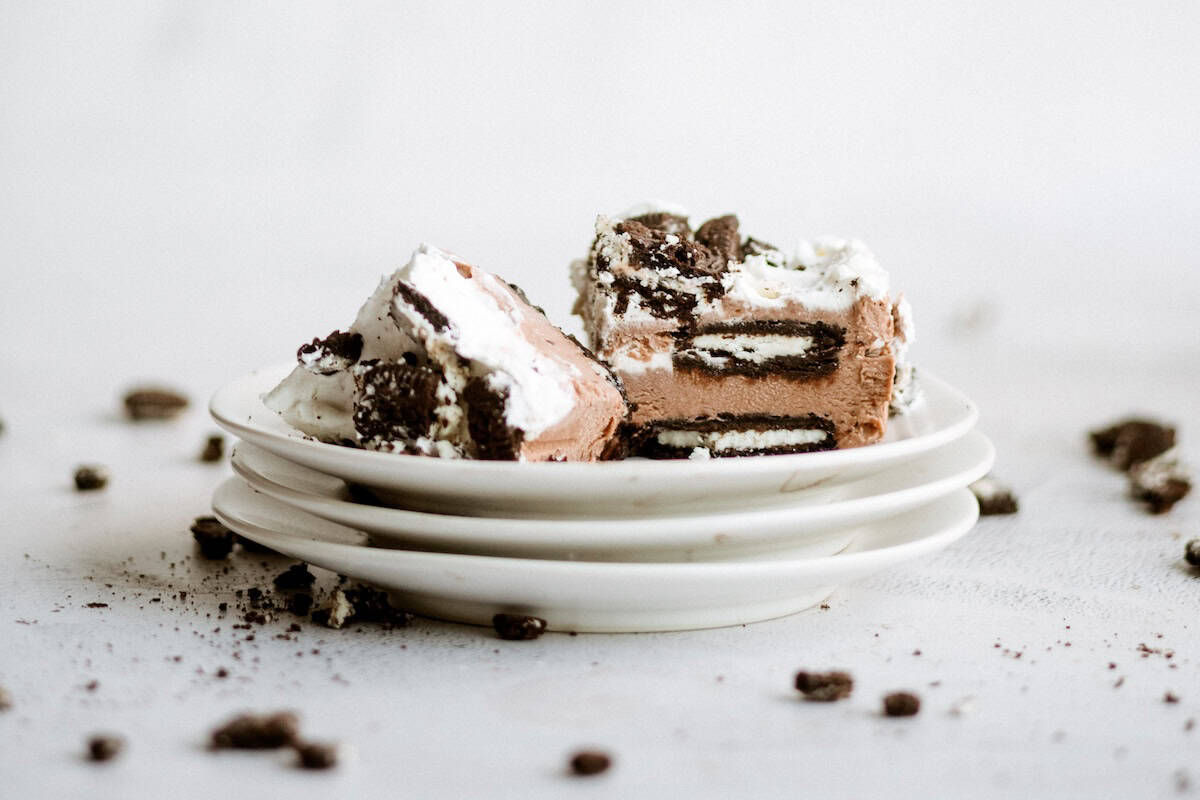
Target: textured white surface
{"x": 179, "y": 177}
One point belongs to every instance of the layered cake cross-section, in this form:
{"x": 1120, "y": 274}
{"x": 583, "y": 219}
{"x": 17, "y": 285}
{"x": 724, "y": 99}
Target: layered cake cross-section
{"x": 727, "y": 346}
{"x": 445, "y": 359}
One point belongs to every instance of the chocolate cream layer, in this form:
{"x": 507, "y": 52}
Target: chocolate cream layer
{"x": 780, "y": 354}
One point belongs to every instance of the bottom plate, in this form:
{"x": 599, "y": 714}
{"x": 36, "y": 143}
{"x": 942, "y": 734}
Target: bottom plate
{"x": 586, "y": 596}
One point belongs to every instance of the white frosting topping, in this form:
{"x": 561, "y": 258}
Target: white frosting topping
{"x": 742, "y": 440}
{"x": 828, "y": 274}
{"x": 488, "y": 334}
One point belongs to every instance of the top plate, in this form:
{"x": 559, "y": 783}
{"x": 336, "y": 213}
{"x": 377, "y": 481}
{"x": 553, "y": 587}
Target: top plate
{"x": 604, "y": 489}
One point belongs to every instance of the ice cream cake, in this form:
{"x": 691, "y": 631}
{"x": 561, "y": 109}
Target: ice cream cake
{"x": 727, "y": 346}
{"x": 445, "y": 359}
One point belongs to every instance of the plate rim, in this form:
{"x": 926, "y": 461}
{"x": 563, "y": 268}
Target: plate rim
{"x": 828, "y": 516}
{"x": 650, "y": 468}
{"x": 858, "y": 554}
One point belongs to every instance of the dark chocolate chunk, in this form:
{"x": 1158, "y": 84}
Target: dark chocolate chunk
{"x": 1160, "y": 482}
{"x": 494, "y": 439}
{"x": 590, "y": 762}
{"x": 993, "y": 497}
{"x": 91, "y": 477}
{"x": 901, "y": 704}
{"x": 672, "y": 224}
{"x": 721, "y": 236}
{"x": 104, "y": 747}
{"x": 214, "y": 539}
{"x": 518, "y": 627}
{"x": 1131, "y": 441}
{"x": 214, "y": 449}
{"x": 317, "y": 755}
{"x": 369, "y": 604}
{"x": 824, "y": 687}
{"x": 257, "y": 731}
{"x": 300, "y": 604}
{"x": 294, "y": 577}
{"x": 1191, "y": 552}
{"x": 395, "y": 401}
{"x": 154, "y": 403}
{"x": 421, "y": 305}
{"x": 336, "y": 352}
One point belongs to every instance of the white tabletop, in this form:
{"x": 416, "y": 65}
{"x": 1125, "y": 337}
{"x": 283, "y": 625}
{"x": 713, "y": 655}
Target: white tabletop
{"x": 192, "y": 191}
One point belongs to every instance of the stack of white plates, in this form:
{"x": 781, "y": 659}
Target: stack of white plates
{"x": 635, "y": 545}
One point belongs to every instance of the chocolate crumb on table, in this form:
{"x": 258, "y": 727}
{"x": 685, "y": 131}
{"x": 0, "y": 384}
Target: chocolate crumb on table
{"x": 1160, "y": 482}
{"x": 824, "y": 687}
{"x": 147, "y": 403}
{"x": 1132, "y": 441}
{"x": 518, "y": 627}
{"x": 901, "y": 704}
{"x": 90, "y": 477}
{"x": 294, "y": 577}
{"x": 214, "y": 539}
{"x": 214, "y": 449}
{"x": 994, "y": 497}
{"x": 1170, "y": 697}
{"x": 104, "y": 747}
{"x": 1191, "y": 552}
{"x": 317, "y": 755}
{"x": 5, "y": 699}
{"x": 257, "y": 732}
{"x": 590, "y": 762}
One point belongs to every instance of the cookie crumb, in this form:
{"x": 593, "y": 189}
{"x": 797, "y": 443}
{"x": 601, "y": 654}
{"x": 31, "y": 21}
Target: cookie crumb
{"x": 154, "y": 403}
{"x": 257, "y": 732}
{"x": 214, "y": 449}
{"x": 90, "y": 477}
{"x": 824, "y": 687}
{"x": 901, "y": 704}
{"x": 317, "y": 755}
{"x": 6, "y": 702}
{"x": 1160, "y": 482}
{"x": 518, "y": 627}
{"x": 1132, "y": 441}
{"x": 214, "y": 539}
{"x": 994, "y": 497}
{"x": 1191, "y": 552}
{"x": 590, "y": 762}
{"x": 1170, "y": 697}
{"x": 294, "y": 577}
{"x": 104, "y": 747}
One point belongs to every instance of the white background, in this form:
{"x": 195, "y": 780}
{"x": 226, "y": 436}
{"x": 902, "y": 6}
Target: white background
{"x": 188, "y": 191}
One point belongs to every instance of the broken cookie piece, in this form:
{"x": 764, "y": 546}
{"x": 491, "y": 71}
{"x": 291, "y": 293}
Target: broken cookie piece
{"x": 454, "y": 362}
{"x": 257, "y": 731}
{"x": 1131, "y": 441}
{"x": 1160, "y": 482}
{"x": 824, "y": 687}
{"x": 994, "y": 497}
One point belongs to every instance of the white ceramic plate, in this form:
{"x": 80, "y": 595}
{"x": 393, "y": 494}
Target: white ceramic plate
{"x": 826, "y": 527}
{"x": 594, "y": 596}
{"x": 622, "y": 487}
